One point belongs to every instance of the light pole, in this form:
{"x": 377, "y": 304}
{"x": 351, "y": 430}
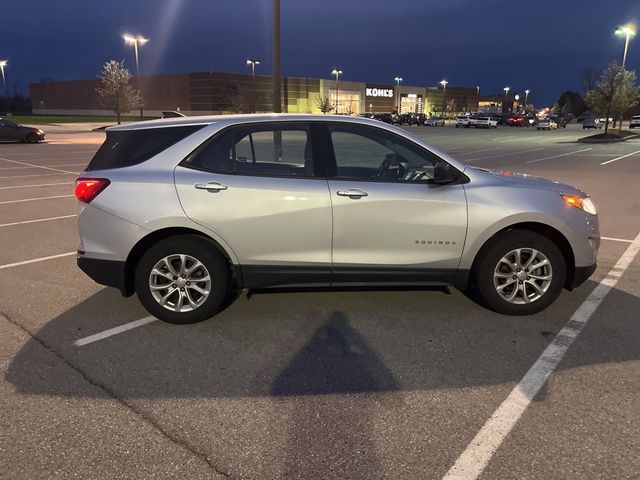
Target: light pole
{"x": 135, "y": 41}
{"x": 277, "y": 94}
{"x": 506, "y": 92}
{"x": 628, "y": 32}
{"x": 444, "y": 94}
{"x": 517, "y": 98}
{"x": 398, "y": 80}
{"x": 477, "y": 98}
{"x": 3, "y": 63}
{"x": 337, "y": 73}
{"x": 526, "y": 98}
{"x": 253, "y": 64}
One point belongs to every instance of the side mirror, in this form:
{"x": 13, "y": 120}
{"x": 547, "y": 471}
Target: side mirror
{"x": 443, "y": 173}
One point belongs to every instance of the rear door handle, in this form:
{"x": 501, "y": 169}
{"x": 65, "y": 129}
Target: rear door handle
{"x": 211, "y": 186}
{"x": 352, "y": 193}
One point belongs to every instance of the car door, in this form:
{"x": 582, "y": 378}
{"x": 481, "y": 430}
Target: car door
{"x": 6, "y": 130}
{"x": 256, "y": 187}
{"x": 390, "y": 222}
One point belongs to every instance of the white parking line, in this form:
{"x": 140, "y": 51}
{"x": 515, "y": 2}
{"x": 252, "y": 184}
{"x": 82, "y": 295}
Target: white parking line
{"x": 620, "y": 158}
{"x": 39, "y": 175}
{"x": 38, "y": 185}
{"x": 57, "y": 165}
{"x": 614, "y": 239}
{"x": 477, "y": 455}
{"x": 34, "y": 199}
{"x": 477, "y": 151}
{"x": 558, "y": 156}
{"x": 504, "y": 154}
{"x": 113, "y": 331}
{"x": 36, "y": 166}
{"x": 36, "y": 260}
{"x": 36, "y": 221}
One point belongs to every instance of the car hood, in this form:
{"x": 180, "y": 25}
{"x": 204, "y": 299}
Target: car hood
{"x": 530, "y": 181}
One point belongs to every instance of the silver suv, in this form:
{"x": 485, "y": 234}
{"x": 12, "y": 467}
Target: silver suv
{"x": 181, "y": 211}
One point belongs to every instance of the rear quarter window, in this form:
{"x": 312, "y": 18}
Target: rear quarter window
{"x": 125, "y": 148}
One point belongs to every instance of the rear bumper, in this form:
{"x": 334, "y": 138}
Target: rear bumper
{"x": 581, "y": 274}
{"x": 106, "y": 272}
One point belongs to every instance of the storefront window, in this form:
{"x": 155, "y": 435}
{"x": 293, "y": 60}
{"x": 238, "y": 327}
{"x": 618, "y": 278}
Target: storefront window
{"x": 348, "y": 101}
{"x": 411, "y": 103}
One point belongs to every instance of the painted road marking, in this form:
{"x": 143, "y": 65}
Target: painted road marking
{"x": 38, "y": 185}
{"x": 36, "y": 166}
{"x": 55, "y": 165}
{"x": 558, "y": 156}
{"x": 504, "y": 154}
{"x": 620, "y": 158}
{"x": 39, "y": 175}
{"x": 36, "y": 260}
{"x": 37, "y": 220}
{"x": 34, "y": 199}
{"x": 614, "y": 239}
{"x": 113, "y": 331}
{"x": 484, "y": 445}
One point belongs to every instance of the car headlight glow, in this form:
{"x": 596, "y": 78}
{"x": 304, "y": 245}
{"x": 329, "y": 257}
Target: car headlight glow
{"x": 583, "y": 203}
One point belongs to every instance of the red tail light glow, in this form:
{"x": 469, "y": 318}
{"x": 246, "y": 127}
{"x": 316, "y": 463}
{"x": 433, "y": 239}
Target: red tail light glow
{"x": 88, "y": 188}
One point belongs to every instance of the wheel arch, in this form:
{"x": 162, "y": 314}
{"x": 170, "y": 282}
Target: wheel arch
{"x": 154, "y": 237}
{"x": 546, "y": 230}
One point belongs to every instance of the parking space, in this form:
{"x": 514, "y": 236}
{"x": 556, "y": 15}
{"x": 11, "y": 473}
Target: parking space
{"x": 373, "y": 384}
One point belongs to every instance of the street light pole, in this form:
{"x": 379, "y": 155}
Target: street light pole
{"x": 526, "y": 98}
{"x": 277, "y": 102}
{"x": 398, "y": 80}
{"x": 253, "y": 64}
{"x": 506, "y": 92}
{"x": 444, "y": 94}
{"x": 135, "y": 41}
{"x": 3, "y": 63}
{"x": 337, "y": 73}
{"x": 477, "y": 98}
{"x": 629, "y": 32}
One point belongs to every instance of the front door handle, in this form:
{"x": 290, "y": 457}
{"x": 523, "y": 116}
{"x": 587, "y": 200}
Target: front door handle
{"x": 211, "y": 186}
{"x": 352, "y": 193}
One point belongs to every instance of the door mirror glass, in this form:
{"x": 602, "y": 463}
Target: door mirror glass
{"x": 443, "y": 173}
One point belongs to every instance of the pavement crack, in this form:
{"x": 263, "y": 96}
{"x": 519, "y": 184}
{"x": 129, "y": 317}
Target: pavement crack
{"x": 111, "y": 393}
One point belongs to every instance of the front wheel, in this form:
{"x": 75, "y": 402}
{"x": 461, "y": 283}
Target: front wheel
{"x": 521, "y": 273}
{"x": 182, "y": 279}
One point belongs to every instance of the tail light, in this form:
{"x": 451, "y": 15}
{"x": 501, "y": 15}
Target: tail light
{"x": 88, "y": 188}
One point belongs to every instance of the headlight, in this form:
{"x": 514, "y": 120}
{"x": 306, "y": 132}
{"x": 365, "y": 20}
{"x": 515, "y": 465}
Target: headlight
{"x": 583, "y": 203}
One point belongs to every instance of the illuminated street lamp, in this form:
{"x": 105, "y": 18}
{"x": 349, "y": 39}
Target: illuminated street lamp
{"x": 477, "y": 98}
{"x": 526, "y": 98}
{"x": 444, "y": 94}
{"x": 253, "y": 64}
{"x": 398, "y": 80}
{"x": 3, "y": 63}
{"x": 506, "y": 92}
{"x": 628, "y": 31}
{"x": 135, "y": 41}
{"x": 337, "y": 73}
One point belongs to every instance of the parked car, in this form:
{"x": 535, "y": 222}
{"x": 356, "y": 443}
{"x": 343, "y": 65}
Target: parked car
{"x": 366, "y": 115}
{"x": 434, "y": 121}
{"x": 401, "y": 119}
{"x": 172, "y": 114}
{"x": 183, "y": 211}
{"x": 417, "y": 118}
{"x": 518, "y": 121}
{"x": 483, "y": 122}
{"x": 463, "y": 121}
{"x": 383, "y": 117}
{"x": 547, "y": 123}
{"x": 591, "y": 122}
{"x": 11, "y": 131}
{"x": 634, "y": 122}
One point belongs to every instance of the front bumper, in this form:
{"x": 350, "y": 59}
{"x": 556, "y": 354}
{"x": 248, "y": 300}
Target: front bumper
{"x": 106, "y": 272}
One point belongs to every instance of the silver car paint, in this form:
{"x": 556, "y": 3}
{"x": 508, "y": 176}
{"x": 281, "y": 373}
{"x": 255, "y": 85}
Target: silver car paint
{"x": 144, "y": 198}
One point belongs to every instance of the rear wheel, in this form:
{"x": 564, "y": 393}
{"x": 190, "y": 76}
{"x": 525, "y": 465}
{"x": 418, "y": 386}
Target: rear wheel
{"x": 182, "y": 279}
{"x": 521, "y": 273}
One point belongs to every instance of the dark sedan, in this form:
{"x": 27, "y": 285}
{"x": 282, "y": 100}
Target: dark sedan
{"x": 10, "y": 131}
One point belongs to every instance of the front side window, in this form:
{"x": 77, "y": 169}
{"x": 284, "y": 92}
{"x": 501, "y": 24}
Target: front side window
{"x": 271, "y": 150}
{"x": 368, "y": 153}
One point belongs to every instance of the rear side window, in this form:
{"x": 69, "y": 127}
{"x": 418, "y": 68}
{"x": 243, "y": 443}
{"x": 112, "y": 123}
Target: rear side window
{"x": 130, "y": 147}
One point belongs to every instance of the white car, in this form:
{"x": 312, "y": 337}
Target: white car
{"x": 547, "y": 124}
{"x": 634, "y": 122}
{"x": 484, "y": 122}
{"x": 434, "y": 121}
{"x": 463, "y": 121}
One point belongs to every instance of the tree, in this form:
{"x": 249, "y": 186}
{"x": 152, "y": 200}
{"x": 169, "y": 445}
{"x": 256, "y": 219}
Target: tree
{"x": 589, "y": 78}
{"x": 324, "y": 104}
{"x": 116, "y": 92}
{"x": 616, "y": 92}
{"x": 452, "y": 105}
{"x": 570, "y": 102}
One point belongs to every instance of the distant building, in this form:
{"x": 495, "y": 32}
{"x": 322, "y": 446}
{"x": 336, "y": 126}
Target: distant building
{"x": 202, "y": 93}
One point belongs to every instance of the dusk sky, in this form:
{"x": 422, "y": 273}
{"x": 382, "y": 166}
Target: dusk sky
{"x": 543, "y": 45}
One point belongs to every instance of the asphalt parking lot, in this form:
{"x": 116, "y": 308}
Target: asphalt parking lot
{"x": 349, "y": 385}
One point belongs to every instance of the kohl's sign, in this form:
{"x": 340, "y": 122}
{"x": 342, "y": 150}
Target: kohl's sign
{"x": 379, "y": 92}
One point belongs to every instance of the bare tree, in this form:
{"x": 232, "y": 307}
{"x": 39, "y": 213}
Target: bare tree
{"x": 324, "y": 104}
{"x": 116, "y": 92}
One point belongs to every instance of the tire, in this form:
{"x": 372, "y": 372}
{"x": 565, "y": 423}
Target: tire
{"x": 199, "y": 307}
{"x": 32, "y": 138}
{"x": 491, "y": 272}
